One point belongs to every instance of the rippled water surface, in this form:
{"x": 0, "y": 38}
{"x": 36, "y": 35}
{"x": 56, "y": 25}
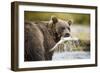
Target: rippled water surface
{"x": 71, "y": 55}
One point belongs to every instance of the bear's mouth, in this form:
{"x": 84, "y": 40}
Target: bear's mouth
{"x": 67, "y": 35}
{"x": 58, "y": 36}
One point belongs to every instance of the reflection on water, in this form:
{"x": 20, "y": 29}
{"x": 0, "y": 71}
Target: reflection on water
{"x": 71, "y": 55}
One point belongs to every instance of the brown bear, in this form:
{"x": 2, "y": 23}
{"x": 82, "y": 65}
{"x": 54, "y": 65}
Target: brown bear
{"x": 40, "y": 37}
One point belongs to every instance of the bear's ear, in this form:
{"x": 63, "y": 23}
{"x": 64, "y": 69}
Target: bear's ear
{"x": 70, "y": 22}
{"x": 54, "y": 19}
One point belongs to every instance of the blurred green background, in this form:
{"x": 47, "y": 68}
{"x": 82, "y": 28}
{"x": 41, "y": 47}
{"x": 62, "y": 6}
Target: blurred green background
{"x": 45, "y": 16}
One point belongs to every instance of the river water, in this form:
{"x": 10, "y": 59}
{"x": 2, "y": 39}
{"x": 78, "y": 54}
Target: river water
{"x": 71, "y": 55}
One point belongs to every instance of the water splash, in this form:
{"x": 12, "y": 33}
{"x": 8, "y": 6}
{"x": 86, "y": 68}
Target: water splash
{"x": 70, "y": 48}
{"x": 66, "y": 44}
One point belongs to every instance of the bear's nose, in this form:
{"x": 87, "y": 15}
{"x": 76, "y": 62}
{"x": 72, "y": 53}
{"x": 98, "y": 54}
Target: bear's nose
{"x": 67, "y": 35}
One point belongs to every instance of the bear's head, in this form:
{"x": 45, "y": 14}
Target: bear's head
{"x": 60, "y": 28}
